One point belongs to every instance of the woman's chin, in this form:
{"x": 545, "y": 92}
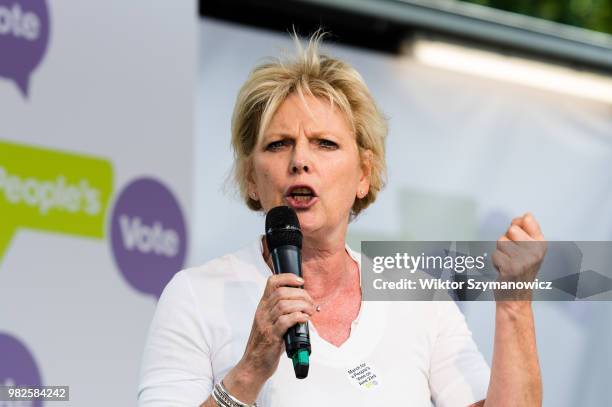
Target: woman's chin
{"x": 309, "y": 222}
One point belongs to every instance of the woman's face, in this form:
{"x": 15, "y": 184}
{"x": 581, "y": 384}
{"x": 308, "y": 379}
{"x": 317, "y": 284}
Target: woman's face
{"x": 309, "y": 161}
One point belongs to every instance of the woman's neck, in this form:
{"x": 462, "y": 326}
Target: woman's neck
{"x": 325, "y": 270}
{"x": 326, "y": 267}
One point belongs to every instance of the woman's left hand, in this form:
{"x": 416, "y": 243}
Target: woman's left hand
{"x": 520, "y": 252}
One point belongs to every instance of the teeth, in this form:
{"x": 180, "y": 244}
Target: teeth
{"x": 301, "y": 190}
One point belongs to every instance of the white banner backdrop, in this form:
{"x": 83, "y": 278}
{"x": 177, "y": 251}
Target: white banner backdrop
{"x": 465, "y": 155}
{"x": 96, "y": 125}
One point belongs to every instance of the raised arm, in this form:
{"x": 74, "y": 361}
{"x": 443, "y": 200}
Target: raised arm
{"x": 515, "y": 371}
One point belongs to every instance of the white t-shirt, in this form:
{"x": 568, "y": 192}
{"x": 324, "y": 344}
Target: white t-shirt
{"x": 408, "y": 353}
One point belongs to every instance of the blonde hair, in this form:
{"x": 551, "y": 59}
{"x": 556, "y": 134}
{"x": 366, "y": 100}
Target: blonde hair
{"x": 319, "y": 75}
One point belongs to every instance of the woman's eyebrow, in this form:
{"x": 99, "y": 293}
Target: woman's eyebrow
{"x": 283, "y": 135}
{"x": 321, "y": 133}
{"x": 277, "y": 134}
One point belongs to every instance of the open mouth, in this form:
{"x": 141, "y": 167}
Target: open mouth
{"x": 301, "y": 196}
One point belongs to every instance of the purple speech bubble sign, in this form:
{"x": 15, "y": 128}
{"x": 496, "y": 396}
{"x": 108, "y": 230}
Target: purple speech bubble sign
{"x": 17, "y": 366}
{"x": 24, "y": 35}
{"x": 148, "y": 235}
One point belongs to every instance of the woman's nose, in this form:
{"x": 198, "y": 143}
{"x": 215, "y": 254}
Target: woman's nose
{"x": 299, "y": 161}
{"x": 299, "y": 167}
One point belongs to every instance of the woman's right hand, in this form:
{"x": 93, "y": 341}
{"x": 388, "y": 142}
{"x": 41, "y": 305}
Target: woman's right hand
{"x": 282, "y": 305}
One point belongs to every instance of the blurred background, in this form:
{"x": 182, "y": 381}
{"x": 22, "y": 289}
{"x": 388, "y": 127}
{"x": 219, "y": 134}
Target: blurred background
{"x": 115, "y": 158}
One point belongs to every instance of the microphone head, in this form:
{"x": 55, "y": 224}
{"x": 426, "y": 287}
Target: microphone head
{"x": 283, "y": 228}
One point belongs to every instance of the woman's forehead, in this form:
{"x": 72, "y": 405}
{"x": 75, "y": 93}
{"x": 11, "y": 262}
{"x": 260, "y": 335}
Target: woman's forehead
{"x": 314, "y": 115}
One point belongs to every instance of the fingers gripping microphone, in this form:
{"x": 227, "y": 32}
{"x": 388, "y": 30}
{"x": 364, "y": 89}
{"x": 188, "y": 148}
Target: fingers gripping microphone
{"x": 284, "y": 239}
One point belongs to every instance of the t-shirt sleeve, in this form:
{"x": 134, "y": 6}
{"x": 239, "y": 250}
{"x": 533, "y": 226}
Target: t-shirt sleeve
{"x": 459, "y": 375}
{"x": 176, "y": 367}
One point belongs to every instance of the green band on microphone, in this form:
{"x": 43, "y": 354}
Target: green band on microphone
{"x": 301, "y": 363}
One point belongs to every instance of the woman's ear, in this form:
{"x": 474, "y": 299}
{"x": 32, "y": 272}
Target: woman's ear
{"x": 366, "y": 174}
{"x": 251, "y": 185}
{"x": 253, "y": 194}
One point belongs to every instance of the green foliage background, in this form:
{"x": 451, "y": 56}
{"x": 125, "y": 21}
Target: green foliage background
{"x": 590, "y": 14}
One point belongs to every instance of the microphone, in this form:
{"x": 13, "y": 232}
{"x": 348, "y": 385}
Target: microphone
{"x": 284, "y": 238}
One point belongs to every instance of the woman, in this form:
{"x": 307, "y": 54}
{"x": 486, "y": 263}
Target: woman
{"x": 306, "y": 133}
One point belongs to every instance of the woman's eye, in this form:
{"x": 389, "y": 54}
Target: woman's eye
{"x": 276, "y": 145}
{"x": 328, "y": 144}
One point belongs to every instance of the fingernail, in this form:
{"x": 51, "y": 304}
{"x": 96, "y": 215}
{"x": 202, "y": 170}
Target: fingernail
{"x": 300, "y": 280}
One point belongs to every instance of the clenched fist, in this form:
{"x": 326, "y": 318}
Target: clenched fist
{"x": 519, "y": 254}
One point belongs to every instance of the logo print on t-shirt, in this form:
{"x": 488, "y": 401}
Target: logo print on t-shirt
{"x": 364, "y": 376}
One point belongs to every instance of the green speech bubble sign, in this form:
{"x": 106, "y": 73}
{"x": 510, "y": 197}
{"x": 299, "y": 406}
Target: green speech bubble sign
{"x": 52, "y": 191}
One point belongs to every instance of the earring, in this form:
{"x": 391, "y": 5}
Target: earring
{"x": 360, "y": 194}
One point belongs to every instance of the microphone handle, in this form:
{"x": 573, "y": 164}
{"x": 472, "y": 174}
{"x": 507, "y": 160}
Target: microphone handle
{"x": 288, "y": 259}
